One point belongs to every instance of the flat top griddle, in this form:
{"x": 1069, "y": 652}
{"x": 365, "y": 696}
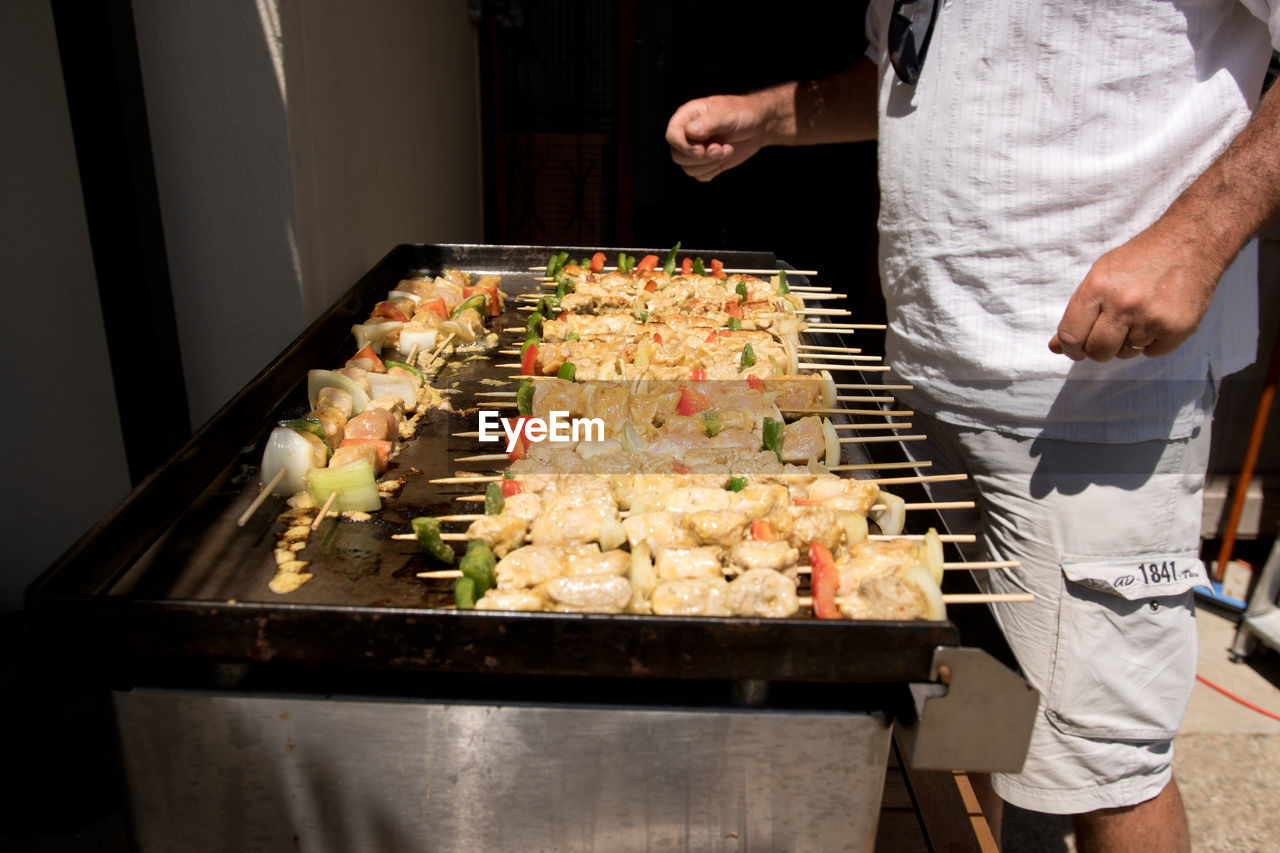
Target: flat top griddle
{"x": 169, "y": 573}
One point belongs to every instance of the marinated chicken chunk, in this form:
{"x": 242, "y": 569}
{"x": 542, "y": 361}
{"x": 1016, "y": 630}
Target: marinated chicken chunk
{"x": 763, "y": 592}
{"x": 598, "y": 593}
{"x": 658, "y": 530}
{"x": 512, "y": 600}
{"x": 675, "y": 563}
{"x": 719, "y": 527}
{"x": 757, "y": 554}
{"x": 503, "y": 533}
{"x": 691, "y": 597}
{"x": 525, "y": 568}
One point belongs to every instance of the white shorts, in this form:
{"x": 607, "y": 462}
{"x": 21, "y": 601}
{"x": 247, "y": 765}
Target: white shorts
{"x": 1108, "y": 537}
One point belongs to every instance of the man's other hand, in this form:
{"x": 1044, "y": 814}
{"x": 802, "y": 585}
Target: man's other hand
{"x": 710, "y": 135}
{"x": 1144, "y": 297}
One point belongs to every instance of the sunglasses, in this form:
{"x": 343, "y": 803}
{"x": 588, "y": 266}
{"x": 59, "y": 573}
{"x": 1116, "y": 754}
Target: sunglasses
{"x": 910, "y": 29}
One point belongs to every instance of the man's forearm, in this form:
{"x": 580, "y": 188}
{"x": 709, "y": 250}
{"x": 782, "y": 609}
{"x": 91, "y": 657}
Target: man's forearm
{"x": 1237, "y": 195}
{"x": 839, "y": 108}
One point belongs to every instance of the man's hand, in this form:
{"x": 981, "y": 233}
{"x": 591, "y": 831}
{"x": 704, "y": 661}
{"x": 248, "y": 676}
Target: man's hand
{"x": 710, "y": 135}
{"x": 1144, "y": 297}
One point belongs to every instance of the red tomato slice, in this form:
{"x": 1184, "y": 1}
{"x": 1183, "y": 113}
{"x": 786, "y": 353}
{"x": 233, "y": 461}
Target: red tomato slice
{"x": 436, "y": 306}
{"x": 597, "y": 262}
{"x": 699, "y": 376}
{"x": 717, "y": 268}
{"x": 677, "y": 467}
{"x": 686, "y": 266}
{"x": 711, "y": 336}
{"x": 805, "y": 502}
{"x": 657, "y": 338}
{"x": 529, "y": 361}
{"x": 691, "y": 402}
{"x": 761, "y": 530}
{"x": 652, "y": 285}
{"x": 373, "y": 364}
{"x": 823, "y": 581}
{"x": 512, "y": 487}
{"x": 756, "y": 383}
{"x": 389, "y": 311}
{"x": 733, "y": 309}
{"x": 383, "y": 448}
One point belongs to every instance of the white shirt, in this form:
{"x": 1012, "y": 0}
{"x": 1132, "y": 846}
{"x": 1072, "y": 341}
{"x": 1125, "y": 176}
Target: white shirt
{"x": 1039, "y": 136}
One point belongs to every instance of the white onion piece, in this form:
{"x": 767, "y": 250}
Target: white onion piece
{"x": 317, "y": 379}
{"x": 829, "y": 392}
{"x": 292, "y": 452}
{"x": 854, "y": 525}
{"x": 894, "y": 515}
{"x": 918, "y": 578}
{"x": 612, "y": 533}
{"x": 404, "y": 294}
{"x": 931, "y": 554}
{"x": 385, "y": 385}
{"x": 832, "y": 440}
{"x": 423, "y": 339}
{"x": 643, "y": 578}
{"x": 589, "y": 449}
{"x": 374, "y": 333}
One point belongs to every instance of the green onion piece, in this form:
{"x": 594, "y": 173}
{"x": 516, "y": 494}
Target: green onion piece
{"x": 404, "y": 366}
{"x": 669, "y": 265}
{"x": 783, "y": 290}
{"x": 548, "y": 306}
{"x": 735, "y": 325}
{"x": 311, "y": 425}
{"x": 711, "y": 419}
{"x": 477, "y": 565}
{"x": 748, "y": 356}
{"x": 737, "y": 484}
{"x": 493, "y": 499}
{"x": 427, "y": 530}
{"x": 524, "y": 397}
{"x": 572, "y": 336}
{"x": 567, "y": 371}
{"x": 699, "y": 268}
{"x": 475, "y": 303}
{"x": 464, "y": 593}
{"x": 772, "y": 435}
{"x": 741, "y": 290}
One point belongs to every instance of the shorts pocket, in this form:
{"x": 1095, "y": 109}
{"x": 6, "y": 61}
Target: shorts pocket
{"x": 1125, "y": 658}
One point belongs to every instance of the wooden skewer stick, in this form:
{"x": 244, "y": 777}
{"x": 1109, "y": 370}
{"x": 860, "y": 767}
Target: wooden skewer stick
{"x": 484, "y": 457}
{"x": 813, "y": 348}
{"x": 439, "y": 348}
{"x": 919, "y": 537}
{"x": 868, "y": 399}
{"x": 262, "y": 496}
{"x": 865, "y": 368}
{"x": 825, "y": 312}
{"x": 952, "y": 598}
{"x": 880, "y": 466}
{"x": 442, "y": 573}
{"x": 873, "y": 387}
{"x": 324, "y": 510}
{"x": 495, "y": 393}
{"x": 918, "y": 478}
{"x": 846, "y": 327}
{"x": 893, "y": 413}
{"x": 876, "y": 439}
{"x": 451, "y": 481}
{"x": 729, "y": 271}
{"x": 877, "y": 425}
{"x": 946, "y": 567}
{"x": 843, "y": 357}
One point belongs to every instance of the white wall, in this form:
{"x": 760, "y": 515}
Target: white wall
{"x": 384, "y": 129}
{"x": 64, "y": 463}
{"x": 296, "y": 142}
{"x": 220, "y": 142}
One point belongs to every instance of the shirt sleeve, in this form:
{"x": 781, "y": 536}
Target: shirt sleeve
{"x": 1266, "y": 11}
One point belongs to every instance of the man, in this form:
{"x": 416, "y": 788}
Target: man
{"x": 1076, "y": 175}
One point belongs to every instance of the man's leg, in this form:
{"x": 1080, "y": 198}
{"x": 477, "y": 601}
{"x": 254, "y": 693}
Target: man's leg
{"x": 1159, "y": 824}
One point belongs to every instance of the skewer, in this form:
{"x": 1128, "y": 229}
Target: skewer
{"x": 468, "y": 477}
{"x": 918, "y": 478}
{"x": 413, "y": 353}
{"x": 814, "y": 348}
{"x": 825, "y": 312}
{"x": 866, "y": 368}
{"x": 324, "y": 510}
{"x": 845, "y": 357}
{"x": 450, "y": 481}
{"x": 439, "y": 348}
{"x": 894, "y": 413}
{"x": 885, "y": 425}
{"x": 952, "y": 598}
{"x": 873, "y": 387}
{"x": 727, "y": 270}
{"x": 452, "y": 574}
{"x": 875, "y": 537}
{"x": 484, "y": 457}
{"x": 934, "y": 505}
{"x": 262, "y": 496}
{"x": 868, "y": 399}
{"x": 846, "y": 327}
{"x": 876, "y": 439}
